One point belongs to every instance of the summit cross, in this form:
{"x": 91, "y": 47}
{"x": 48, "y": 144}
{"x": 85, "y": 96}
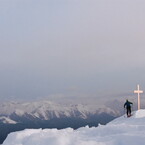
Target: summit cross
{"x": 138, "y": 92}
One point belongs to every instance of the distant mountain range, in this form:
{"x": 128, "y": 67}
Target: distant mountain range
{"x": 16, "y": 116}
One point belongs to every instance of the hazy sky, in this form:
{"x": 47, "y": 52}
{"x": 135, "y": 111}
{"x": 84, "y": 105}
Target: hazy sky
{"x": 73, "y": 48}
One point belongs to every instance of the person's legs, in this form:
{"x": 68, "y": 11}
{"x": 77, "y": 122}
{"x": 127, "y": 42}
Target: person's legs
{"x": 128, "y": 111}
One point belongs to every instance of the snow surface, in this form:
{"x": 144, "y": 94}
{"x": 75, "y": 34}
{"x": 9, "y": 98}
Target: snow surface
{"x": 121, "y": 131}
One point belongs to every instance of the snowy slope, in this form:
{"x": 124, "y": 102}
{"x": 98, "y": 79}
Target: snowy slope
{"x": 121, "y": 131}
{"x": 7, "y": 120}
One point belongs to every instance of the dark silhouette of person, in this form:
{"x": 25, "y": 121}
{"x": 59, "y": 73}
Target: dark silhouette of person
{"x": 128, "y": 108}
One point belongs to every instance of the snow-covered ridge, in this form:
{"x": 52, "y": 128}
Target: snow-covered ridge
{"x": 46, "y": 110}
{"x": 121, "y": 131}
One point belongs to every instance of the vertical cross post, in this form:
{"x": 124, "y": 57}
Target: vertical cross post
{"x": 138, "y": 92}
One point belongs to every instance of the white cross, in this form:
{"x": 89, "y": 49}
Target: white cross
{"x": 138, "y": 92}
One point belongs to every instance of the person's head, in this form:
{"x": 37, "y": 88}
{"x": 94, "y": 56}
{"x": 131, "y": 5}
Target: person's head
{"x": 126, "y": 100}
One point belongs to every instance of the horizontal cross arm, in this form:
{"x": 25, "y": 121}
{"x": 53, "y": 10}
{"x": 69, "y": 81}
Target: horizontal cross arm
{"x": 136, "y": 91}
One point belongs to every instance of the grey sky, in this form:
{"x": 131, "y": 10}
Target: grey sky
{"x": 71, "y": 47}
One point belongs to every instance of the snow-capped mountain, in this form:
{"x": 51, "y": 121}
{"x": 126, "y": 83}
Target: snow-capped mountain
{"x": 46, "y": 110}
{"x": 121, "y": 131}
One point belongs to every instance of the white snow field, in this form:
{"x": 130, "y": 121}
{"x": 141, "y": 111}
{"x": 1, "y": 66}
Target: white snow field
{"x": 121, "y": 131}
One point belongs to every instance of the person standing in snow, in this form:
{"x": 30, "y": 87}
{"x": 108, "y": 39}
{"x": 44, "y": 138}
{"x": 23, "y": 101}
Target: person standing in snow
{"x": 127, "y": 105}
